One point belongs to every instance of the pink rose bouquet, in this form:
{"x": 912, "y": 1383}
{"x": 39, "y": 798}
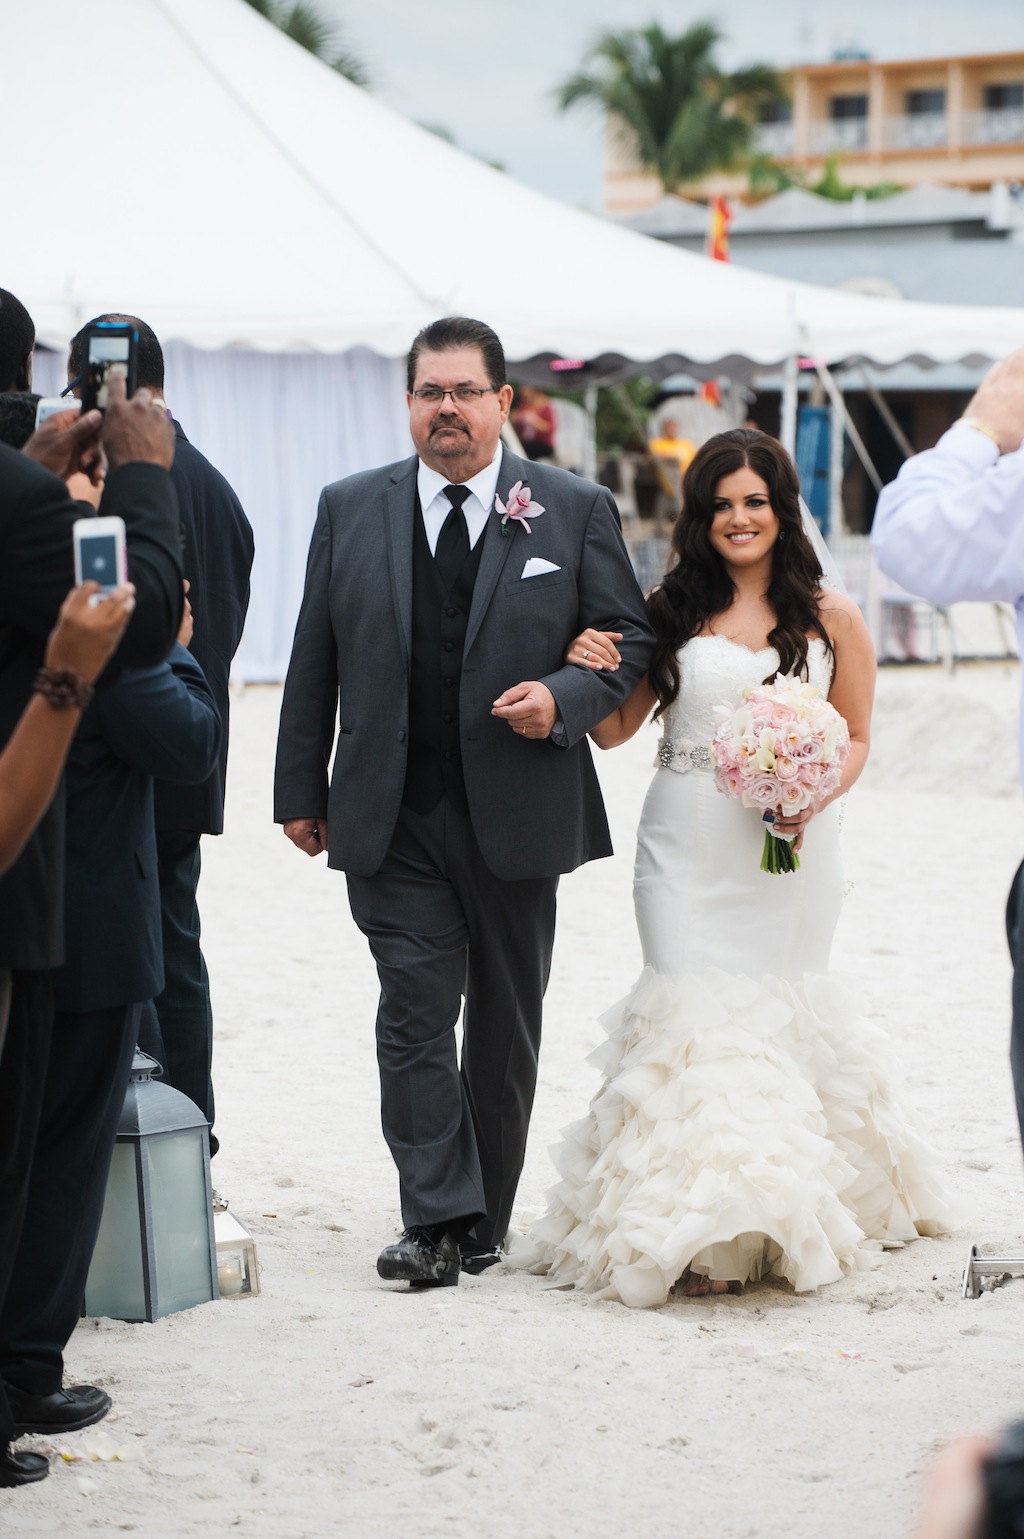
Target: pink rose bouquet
{"x": 780, "y": 751}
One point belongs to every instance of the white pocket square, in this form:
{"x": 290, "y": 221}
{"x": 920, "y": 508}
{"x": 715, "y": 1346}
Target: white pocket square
{"x": 536, "y": 565}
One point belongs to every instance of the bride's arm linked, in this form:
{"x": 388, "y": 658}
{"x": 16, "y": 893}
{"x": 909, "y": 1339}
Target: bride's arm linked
{"x": 852, "y": 693}
{"x": 596, "y": 649}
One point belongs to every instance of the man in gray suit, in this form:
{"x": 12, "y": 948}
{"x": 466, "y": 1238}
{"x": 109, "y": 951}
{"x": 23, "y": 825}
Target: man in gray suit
{"x": 437, "y": 613}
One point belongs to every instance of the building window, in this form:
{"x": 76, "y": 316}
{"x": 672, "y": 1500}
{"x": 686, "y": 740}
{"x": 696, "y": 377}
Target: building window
{"x": 1001, "y": 119}
{"x": 919, "y": 104}
{"x": 775, "y": 112}
{"x": 774, "y": 132}
{"x": 842, "y": 108}
{"x": 1008, "y": 94}
{"x": 846, "y": 127}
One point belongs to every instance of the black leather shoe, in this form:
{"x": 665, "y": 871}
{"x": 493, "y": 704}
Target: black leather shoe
{"x": 67, "y": 1410}
{"x": 21, "y": 1469}
{"x": 425, "y": 1257}
{"x": 476, "y": 1260}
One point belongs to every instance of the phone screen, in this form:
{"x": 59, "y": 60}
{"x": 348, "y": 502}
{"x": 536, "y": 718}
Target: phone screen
{"x": 107, "y": 354}
{"x": 99, "y": 559}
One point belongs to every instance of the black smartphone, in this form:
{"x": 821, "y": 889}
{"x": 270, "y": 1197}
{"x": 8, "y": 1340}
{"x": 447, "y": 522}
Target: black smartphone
{"x": 109, "y": 346}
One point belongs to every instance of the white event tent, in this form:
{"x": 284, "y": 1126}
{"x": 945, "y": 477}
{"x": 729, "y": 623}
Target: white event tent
{"x": 286, "y": 235}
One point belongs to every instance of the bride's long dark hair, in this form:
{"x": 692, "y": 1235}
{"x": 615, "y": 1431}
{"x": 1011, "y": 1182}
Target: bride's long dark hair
{"x": 697, "y": 587}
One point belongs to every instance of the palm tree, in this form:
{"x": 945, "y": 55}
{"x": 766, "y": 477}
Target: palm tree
{"x": 685, "y": 116}
{"x": 304, "y": 25}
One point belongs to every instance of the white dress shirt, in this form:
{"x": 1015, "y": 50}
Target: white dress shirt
{"x": 478, "y": 506}
{"x": 951, "y": 526}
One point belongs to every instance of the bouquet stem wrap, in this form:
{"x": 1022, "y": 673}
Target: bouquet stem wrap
{"x": 781, "y": 750}
{"x": 778, "y": 855}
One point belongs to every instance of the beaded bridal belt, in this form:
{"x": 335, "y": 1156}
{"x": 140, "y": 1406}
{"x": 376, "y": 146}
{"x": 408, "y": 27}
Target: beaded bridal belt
{"x": 682, "y": 756}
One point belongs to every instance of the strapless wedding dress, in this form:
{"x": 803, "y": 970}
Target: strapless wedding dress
{"x": 747, "y": 1124}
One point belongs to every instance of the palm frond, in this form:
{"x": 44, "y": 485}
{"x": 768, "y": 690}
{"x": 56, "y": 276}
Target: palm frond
{"x": 305, "y": 26}
{"x": 353, "y": 68}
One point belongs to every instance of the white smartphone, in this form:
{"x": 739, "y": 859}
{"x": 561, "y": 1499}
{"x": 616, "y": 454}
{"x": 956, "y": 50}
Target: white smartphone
{"x": 100, "y": 553}
{"x": 49, "y": 405}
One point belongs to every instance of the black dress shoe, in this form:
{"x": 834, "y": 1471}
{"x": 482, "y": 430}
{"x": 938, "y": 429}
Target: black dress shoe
{"x": 476, "y": 1260}
{"x": 66, "y": 1410}
{"x": 21, "y": 1469}
{"x": 425, "y": 1257}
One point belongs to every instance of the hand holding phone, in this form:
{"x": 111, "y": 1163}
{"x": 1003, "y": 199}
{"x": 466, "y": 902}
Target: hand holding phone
{"x": 50, "y": 405}
{"x": 87, "y": 633}
{"x": 67, "y": 449}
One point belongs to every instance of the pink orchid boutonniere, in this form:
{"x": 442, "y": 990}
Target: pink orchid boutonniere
{"x": 518, "y": 506}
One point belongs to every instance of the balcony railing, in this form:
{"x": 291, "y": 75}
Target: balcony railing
{"x": 916, "y": 131}
{"x": 838, "y": 134}
{"x": 996, "y": 125}
{"x": 774, "y": 138}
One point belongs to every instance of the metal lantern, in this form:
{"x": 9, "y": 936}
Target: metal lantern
{"x": 155, "y": 1253}
{"x": 984, "y": 1273}
{"x": 238, "y": 1272}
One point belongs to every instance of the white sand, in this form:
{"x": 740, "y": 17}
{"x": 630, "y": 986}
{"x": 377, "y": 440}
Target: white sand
{"x": 338, "y": 1404}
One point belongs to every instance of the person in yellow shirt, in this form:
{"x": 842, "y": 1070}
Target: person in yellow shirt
{"x": 671, "y": 446}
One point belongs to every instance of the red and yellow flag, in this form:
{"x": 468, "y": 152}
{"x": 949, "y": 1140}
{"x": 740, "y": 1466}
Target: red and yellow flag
{"x": 719, "y": 220}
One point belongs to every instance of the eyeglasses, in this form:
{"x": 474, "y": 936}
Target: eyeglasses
{"x": 464, "y": 395}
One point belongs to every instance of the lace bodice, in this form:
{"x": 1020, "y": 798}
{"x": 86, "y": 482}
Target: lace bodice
{"x": 714, "y": 671}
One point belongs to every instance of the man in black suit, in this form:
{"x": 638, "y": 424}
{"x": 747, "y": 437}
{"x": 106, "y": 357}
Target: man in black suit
{"x": 177, "y": 1028}
{"x": 36, "y": 572}
{"x": 149, "y": 721}
{"x": 455, "y": 799}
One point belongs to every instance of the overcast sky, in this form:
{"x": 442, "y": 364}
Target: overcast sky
{"x": 486, "y": 69}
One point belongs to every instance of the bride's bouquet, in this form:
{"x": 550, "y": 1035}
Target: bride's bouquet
{"x": 782, "y": 750}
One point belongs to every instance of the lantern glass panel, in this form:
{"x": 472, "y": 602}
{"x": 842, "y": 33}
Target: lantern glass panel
{"x": 181, "y": 1225}
{"x": 116, "y": 1284}
{"x": 237, "y": 1268}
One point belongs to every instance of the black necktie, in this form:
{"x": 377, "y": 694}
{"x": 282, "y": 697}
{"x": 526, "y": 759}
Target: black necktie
{"x": 453, "y": 541}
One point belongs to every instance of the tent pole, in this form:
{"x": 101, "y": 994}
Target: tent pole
{"x": 590, "y": 447}
{"x": 835, "y": 395}
{"x": 787, "y": 425}
{"x": 884, "y": 410}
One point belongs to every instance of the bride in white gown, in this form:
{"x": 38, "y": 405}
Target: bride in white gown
{"x": 747, "y": 1124}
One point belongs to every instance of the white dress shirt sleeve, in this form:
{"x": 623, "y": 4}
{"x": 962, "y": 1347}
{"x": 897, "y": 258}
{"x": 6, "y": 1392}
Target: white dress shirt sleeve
{"x": 951, "y": 526}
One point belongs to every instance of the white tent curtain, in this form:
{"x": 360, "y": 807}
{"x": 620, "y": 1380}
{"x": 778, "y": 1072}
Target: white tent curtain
{"x": 280, "y": 426}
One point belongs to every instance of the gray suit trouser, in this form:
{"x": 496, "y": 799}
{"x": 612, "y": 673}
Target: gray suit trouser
{"x": 441, "y": 926}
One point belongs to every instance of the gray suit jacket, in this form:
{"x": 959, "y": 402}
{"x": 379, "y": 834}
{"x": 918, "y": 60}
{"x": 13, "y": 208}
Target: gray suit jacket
{"x": 536, "y": 808}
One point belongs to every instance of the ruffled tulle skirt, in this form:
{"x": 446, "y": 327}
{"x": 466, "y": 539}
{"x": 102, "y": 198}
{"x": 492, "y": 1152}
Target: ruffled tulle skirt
{"x": 744, "y": 1129}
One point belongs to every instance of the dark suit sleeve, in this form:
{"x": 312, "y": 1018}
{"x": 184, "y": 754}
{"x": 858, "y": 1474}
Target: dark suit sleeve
{"x": 609, "y": 600}
{"x": 218, "y": 559}
{"x": 37, "y": 559}
{"x": 163, "y": 721}
{"x": 144, "y": 497}
{"x": 309, "y": 710}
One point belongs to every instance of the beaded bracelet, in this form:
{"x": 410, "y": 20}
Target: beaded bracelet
{"x": 62, "y": 688}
